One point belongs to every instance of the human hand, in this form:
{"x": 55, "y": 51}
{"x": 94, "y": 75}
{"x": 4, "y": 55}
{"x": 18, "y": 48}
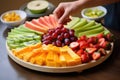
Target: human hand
{"x": 64, "y": 10}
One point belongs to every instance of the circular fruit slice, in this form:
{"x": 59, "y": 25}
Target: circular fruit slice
{"x": 37, "y": 6}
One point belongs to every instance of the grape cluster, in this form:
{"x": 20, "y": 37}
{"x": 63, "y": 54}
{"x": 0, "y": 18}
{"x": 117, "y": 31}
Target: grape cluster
{"x": 59, "y": 36}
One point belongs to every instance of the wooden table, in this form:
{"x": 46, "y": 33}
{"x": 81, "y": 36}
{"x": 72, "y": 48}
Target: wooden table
{"x": 9, "y": 70}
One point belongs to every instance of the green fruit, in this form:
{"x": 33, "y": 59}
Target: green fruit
{"x": 22, "y": 28}
{"x": 38, "y": 6}
{"x": 89, "y": 28}
{"x": 81, "y": 23}
{"x": 90, "y": 32}
{"x": 91, "y": 23}
{"x": 73, "y": 22}
{"x": 106, "y": 32}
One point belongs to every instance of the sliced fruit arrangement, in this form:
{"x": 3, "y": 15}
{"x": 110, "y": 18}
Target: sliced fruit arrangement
{"x": 44, "y": 42}
{"x": 48, "y": 55}
{"x": 42, "y": 24}
{"x": 84, "y": 27}
{"x": 21, "y": 37}
{"x": 92, "y": 48}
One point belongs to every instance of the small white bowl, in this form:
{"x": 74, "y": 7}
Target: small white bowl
{"x": 10, "y": 24}
{"x": 93, "y": 8}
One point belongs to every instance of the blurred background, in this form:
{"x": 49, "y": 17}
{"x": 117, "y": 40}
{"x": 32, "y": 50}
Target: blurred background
{"x": 6, "y": 5}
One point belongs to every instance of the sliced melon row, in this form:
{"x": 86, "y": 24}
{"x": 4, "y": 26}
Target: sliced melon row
{"x": 42, "y": 24}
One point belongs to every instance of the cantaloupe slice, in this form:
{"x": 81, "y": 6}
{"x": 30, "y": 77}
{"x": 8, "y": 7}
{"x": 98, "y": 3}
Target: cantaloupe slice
{"x": 36, "y": 22}
{"x": 43, "y": 21}
{"x": 53, "y": 20}
{"x": 34, "y": 27}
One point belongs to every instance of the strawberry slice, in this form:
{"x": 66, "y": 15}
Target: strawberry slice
{"x": 100, "y": 35}
{"x": 85, "y": 57}
{"x": 92, "y": 40}
{"x": 74, "y": 45}
{"x": 101, "y": 41}
{"x": 106, "y": 45}
{"x": 79, "y": 52}
{"x": 110, "y": 37}
{"x": 84, "y": 38}
{"x": 83, "y": 44}
{"x": 102, "y": 51}
{"x": 96, "y": 55}
{"x": 91, "y": 50}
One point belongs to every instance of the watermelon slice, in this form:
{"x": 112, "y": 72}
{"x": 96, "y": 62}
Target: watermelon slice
{"x": 43, "y": 21}
{"x": 53, "y": 20}
{"x": 32, "y": 26}
{"x": 36, "y": 22}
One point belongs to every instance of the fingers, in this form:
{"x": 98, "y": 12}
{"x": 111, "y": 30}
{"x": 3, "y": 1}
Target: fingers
{"x": 58, "y": 11}
{"x": 64, "y": 18}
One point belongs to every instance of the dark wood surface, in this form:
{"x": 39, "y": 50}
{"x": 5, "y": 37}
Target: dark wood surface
{"x": 9, "y": 70}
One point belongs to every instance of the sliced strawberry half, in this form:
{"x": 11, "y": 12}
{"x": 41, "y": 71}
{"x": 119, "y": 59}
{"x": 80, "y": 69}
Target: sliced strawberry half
{"x": 96, "y": 55}
{"x": 74, "y": 45}
{"x": 79, "y": 52}
{"x": 102, "y": 51}
{"x": 101, "y": 41}
{"x": 85, "y": 57}
{"x": 91, "y": 50}
{"x": 106, "y": 45}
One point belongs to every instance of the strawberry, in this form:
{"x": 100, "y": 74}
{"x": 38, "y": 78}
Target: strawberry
{"x": 91, "y": 50}
{"x": 102, "y": 51}
{"x": 92, "y": 40}
{"x": 83, "y": 44}
{"x": 83, "y": 38}
{"x": 106, "y": 45}
{"x": 96, "y": 55}
{"x": 74, "y": 45}
{"x": 100, "y": 35}
{"x": 101, "y": 41}
{"x": 79, "y": 52}
{"x": 109, "y": 37}
{"x": 85, "y": 57}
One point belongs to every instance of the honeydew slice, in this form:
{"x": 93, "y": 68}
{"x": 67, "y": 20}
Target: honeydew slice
{"x": 37, "y": 6}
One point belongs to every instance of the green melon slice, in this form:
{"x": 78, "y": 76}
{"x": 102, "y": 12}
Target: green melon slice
{"x": 37, "y": 6}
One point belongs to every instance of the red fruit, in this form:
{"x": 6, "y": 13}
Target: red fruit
{"x": 109, "y": 37}
{"x": 79, "y": 52}
{"x": 83, "y": 38}
{"x": 91, "y": 50}
{"x": 102, "y": 51}
{"x": 100, "y": 35}
{"x": 93, "y": 40}
{"x": 96, "y": 55}
{"x": 101, "y": 41}
{"x": 85, "y": 57}
{"x": 106, "y": 45}
{"x": 83, "y": 44}
{"x": 74, "y": 45}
